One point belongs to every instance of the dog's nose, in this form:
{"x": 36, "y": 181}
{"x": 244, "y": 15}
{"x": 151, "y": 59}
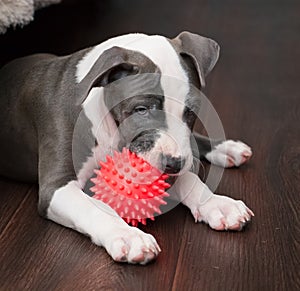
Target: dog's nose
{"x": 172, "y": 165}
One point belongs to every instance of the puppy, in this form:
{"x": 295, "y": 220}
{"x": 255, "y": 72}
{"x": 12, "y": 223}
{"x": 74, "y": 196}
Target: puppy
{"x": 61, "y": 115}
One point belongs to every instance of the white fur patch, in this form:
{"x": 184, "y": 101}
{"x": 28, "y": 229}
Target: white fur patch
{"x": 104, "y": 130}
{"x": 223, "y": 213}
{"x": 71, "y": 207}
{"x": 229, "y": 153}
{"x": 189, "y": 186}
{"x": 220, "y": 212}
{"x": 103, "y": 125}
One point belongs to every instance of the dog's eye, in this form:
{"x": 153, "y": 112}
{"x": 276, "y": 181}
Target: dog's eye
{"x": 189, "y": 112}
{"x": 189, "y": 117}
{"x": 142, "y": 110}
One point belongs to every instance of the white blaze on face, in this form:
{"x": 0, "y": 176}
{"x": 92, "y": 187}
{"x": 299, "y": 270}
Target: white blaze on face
{"x": 175, "y": 141}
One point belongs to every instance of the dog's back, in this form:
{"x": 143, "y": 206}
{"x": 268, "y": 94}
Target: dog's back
{"x": 18, "y": 150}
{"x": 19, "y": 101}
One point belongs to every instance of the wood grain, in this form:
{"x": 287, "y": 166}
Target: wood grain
{"x": 254, "y": 88}
{"x": 12, "y": 195}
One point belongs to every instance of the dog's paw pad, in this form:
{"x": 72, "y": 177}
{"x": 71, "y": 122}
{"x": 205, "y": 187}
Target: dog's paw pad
{"x": 224, "y": 213}
{"x": 133, "y": 246}
{"x": 229, "y": 154}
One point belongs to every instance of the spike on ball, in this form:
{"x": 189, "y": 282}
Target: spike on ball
{"x": 131, "y": 186}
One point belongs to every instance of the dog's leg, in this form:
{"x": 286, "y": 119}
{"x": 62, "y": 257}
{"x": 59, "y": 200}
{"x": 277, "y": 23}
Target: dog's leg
{"x": 220, "y": 212}
{"x": 71, "y": 207}
{"x": 62, "y": 200}
{"x": 226, "y": 153}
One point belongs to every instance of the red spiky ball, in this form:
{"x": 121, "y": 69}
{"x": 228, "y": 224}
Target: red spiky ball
{"x": 131, "y": 186}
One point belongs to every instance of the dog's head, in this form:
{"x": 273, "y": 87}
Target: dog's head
{"x": 145, "y": 83}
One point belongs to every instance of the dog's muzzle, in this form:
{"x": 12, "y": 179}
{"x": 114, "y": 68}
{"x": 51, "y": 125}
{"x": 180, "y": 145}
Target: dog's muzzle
{"x": 172, "y": 165}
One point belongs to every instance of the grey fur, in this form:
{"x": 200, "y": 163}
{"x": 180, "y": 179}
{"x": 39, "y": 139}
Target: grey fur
{"x": 37, "y": 93}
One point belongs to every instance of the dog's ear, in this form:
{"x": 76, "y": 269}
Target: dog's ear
{"x": 112, "y": 65}
{"x": 203, "y": 51}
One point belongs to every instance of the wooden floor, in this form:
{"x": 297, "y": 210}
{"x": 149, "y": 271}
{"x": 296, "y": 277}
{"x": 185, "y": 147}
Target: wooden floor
{"x": 254, "y": 88}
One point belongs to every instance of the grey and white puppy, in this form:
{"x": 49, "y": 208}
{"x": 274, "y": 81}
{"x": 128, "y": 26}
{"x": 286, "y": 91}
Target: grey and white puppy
{"x": 43, "y": 97}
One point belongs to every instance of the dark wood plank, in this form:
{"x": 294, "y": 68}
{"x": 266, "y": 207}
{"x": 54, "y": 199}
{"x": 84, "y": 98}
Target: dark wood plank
{"x": 12, "y": 195}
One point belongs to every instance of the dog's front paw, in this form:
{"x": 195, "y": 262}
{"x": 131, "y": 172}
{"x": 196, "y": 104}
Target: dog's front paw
{"x": 132, "y": 245}
{"x": 229, "y": 153}
{"x": 223, "y": 213}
